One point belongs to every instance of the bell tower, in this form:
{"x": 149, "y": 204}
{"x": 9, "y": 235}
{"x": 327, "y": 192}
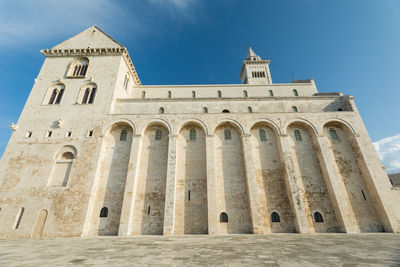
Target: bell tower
{"x": 255, "y": 70}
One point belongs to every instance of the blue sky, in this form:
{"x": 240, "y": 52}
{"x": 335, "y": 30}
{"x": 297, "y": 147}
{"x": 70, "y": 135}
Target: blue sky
{"x": 347, "y": 46}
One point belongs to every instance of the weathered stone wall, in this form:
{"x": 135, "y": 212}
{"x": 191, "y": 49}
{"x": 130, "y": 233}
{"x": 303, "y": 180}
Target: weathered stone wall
{"x": 270, "y": 178}
{"x": 232, "y": 196}
{"x": 150, "y": 192}
{"x": 191, "y": 182}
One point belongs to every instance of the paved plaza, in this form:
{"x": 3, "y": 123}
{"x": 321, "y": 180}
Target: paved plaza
{"x": 230, "y": 250}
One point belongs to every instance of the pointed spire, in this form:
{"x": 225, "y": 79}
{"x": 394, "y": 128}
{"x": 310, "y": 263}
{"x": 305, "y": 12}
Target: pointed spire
{"x": 251, "y": 55}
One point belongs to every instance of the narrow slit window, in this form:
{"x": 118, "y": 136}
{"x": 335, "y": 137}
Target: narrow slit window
{"x": 295, "y": 93}
{"x": 205, "y": 110}
{"x": 193, "y": 94}
{"x": 219, "y": 94}
{"x": 227, "y": 134}
{"x": 123, "y": 135}
{"x": 19, "y": 217}
{"x": 333, "y": 134}
{"x": 189, "y": 195}
{"x": 297, "y": 135}
{"x": 158, "y": 135}
{"x": 169, "y": 94}
{"x": 28, "y": 134}
{"x": 49, "y": 133}
{"x": 250, "y": 109}
{"x": 363, "y": 194}
{"x": 318, "y": 217}
{"x": 148, "y": 210}
{"x": 192, "y": 135}
{"x": 161, "y": 110}
{"x": 245, "y": 94}
{"x": 104, "y": 212}
{"x": 143, "y": 94}
{"x": 90, "y": 133}
{"x": 263, "y": 136}
{"x": 271, "y": 93}
{"x": 275, "y": 217}
{"x": 69, "y": 133}
{"x": 294, "y": 109}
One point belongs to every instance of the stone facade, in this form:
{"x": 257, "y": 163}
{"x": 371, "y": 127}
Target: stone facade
{"x": 95, "y": 152}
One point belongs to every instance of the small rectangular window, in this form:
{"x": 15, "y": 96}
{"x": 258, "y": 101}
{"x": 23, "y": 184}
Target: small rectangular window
{"x": 28, "y": 134}
{"x": 68, "y": 134}
{"x": 90, "y": 133}
{"x": 49, "y": 133}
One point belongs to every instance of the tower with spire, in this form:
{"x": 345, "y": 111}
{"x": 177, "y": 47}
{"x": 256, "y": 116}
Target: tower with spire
{"x": 255, "y": 70}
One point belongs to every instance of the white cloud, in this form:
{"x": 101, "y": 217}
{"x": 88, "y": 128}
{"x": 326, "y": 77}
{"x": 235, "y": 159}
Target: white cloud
{"x": 388, "y": 150}
{"x": 180, "y": 4}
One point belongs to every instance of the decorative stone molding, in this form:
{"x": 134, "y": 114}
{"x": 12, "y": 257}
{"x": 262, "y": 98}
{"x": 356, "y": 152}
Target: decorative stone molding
{"x": 13, "y": 126}
{"x": 94, "y": 52}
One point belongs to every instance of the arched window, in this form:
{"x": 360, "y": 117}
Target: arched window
{"x": 87, "y": 94}
{"x": 123, "y": 136}
{"x": 78, "y": 68}
{"x": 104, "y": 212}
{"x": 225, "y": 111}
{"x": 271, "y": 93}
{"x": 263, "y": 73}
{"x": 161, "y": 110}
{"x": 297, "y": 135}
{"x": 333, "y": 134}
{"x": 263, "y": 136}
{"x": 62, "y": 166}
{"x": 219, "y": 94}
{"x": 158, "y": 135}
{"x": 143, "y": 94}
{"x": 294, "y": 109}
{"x": 339, "y": 109}
{"x": 193, "y": 94}
{"x": 295, "y": 92}
{"x": 318, "y": 217}
{"x": 223, "y": 217}
{"x": 192, "y": 135}
{"x": 55, "y": 94}
{"x": 227, "y": 134}
{"x": 245, "y": 93}
{"x": 169, "y": 94}
{"x": 250, "y": 109}
{"x": 275, "y": 217}
{"x": 205, "y": 110}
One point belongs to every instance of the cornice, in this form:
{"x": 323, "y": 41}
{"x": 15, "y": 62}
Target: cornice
{"x": 95, "y": 52}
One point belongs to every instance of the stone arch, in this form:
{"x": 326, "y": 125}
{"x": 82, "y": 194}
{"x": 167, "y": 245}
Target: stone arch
{"x": 157, "y": 122}
{"x": 109, "y": 125}
{"x": 191, "y": 210}
{"x": 233, "y": 122}
{"x": 307, "y": 168}
{"x": 87, "y": 93}
{"x": 66, "y": 148}
{"x": 268, "y": 122}
{"x": 54, "y": 93}
{"x": 232, "y": 192}
{"x": 196, "y": 122}
{"x": 270, "y": 177}
{"x": 342, "y": 122}
{"x": 349, "y": 166}
{"x": 109, "y": 186}
{"x": 300, "y": 121}
{"x": 149, "y": 203}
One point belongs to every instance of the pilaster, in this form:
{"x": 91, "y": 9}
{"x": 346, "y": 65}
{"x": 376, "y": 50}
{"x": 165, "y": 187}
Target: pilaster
{"x": 170, "y": 186}
{"x": 295, "y": 188}
{"x": 211, "y": 187}
{"x": 252, "y": 186}
{"x": 336, "y": 188}
{"x": 127, "y": 210}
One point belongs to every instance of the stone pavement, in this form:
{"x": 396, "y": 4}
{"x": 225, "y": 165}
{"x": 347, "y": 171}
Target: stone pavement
{"x": 231, "y": 250}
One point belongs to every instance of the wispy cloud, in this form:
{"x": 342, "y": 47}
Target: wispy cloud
{"x": 181, "y": 5}
{"x": 388, "y": 150}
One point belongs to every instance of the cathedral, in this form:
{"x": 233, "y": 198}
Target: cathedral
{"x": 95, "y": 153}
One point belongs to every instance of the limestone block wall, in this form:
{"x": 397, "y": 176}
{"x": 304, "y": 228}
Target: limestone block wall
{"x": 191, "y": 182}
{"x": 232, "y": 194}
{"x": 270, "y": 178}
{"x": 151, "y": 181}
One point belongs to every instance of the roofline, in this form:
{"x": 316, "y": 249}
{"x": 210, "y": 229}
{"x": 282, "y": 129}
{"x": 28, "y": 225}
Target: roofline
{"x": 227, "y": 85}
